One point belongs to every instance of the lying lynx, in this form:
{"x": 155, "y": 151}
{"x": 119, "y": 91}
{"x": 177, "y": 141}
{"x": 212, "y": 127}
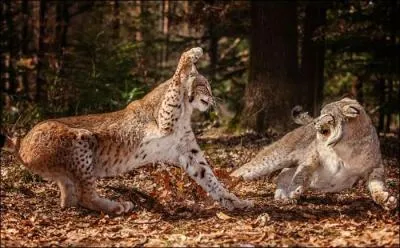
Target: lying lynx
{"x": 328, "y": 154}
{"x": 75, "y": 151}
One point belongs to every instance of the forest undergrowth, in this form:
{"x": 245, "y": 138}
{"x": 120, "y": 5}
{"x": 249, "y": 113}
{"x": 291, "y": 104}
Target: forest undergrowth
{"x": 171, "y": 210}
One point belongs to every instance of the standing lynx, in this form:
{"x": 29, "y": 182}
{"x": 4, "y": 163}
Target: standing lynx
{"x": 75, "y": 151}
{"x": 329, "y": 153}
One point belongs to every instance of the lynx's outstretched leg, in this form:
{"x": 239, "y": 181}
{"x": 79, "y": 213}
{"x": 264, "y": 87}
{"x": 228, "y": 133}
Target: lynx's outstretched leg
{"x": 171, "y": 106}
{"x": 265, "y": 163}
{"x": 376, "y": 186}
{"x": 85, "y": 179}
{"x": 195, "y": 165}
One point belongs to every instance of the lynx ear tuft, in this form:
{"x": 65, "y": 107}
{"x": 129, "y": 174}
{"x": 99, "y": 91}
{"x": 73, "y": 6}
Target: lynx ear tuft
{"x": 351, "y": 110}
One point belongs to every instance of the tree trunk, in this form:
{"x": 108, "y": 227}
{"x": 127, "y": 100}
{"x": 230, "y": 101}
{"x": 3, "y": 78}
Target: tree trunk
{"x": 116, "y": 20}
{"x": 10, "y": 56}
{"x": 185, "y": 29}
{"x": 138, "y": 10}
{"x": 165, "y": 31}
{"x": 61, "y": 32}
{"x": 381, "y": 103}
{"x": 40, "y": 81}
{"x": 269, "y": 95}
{"x": 25, "y": 46}
{"x": 213, "y": 48}
{"x": 3, "y": 66}
{"x": 312, "y": 61}
{"x": 357, "y": 89}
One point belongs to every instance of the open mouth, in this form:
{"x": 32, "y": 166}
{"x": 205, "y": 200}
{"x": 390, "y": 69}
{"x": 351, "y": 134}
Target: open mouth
{"x": 325, "y": 131}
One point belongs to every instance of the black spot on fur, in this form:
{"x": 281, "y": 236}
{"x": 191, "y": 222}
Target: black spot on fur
{"x": 144, "y": 156}
{"x": 195, "y": 174}
{"x": 137, "y": 155}
{"x": 173, "y": 105}
{"x": 202, "y": 163}
{"x": 194, "y": 151}
{"x": 202, "y": 172}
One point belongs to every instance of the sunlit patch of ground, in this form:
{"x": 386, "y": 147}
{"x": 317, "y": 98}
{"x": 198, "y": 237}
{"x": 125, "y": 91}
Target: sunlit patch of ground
{"x": 172, "y": 211}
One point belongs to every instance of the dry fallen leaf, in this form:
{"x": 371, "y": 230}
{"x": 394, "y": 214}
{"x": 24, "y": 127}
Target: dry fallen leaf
{"x": 223, "y": 216}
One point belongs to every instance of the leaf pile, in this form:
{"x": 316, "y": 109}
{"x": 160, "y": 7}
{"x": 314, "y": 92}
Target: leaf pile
{"x": 171, "y": 210}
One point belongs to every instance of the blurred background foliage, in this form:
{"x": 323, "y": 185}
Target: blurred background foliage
{"x": 64, "y": 58}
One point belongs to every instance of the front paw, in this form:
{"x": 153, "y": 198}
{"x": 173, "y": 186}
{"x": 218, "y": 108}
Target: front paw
{"x": 296, "y": 193}
{"x": 385, "y": 200}
{"x": 230, "y": 201}
{"x": 282, "y": 197}
{"x": 122, "y": 207}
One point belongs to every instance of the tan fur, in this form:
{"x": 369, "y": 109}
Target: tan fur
{"x": 75, "y": 151}
{"x": 328, "y": 154}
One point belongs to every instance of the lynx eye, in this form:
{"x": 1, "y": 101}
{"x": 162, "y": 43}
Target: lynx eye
{"x": 204, "y": 102}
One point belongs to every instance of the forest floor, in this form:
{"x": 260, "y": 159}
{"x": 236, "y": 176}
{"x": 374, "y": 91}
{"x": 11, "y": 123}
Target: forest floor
{"x": 171, "y": 210}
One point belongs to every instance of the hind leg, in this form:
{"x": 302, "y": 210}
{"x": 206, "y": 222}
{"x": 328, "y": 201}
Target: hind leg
{"x": 85, "y": 179}
{"x": 68, "y": 197}
{"x": 379, "y": 193}
{"x": 89, "y": 198}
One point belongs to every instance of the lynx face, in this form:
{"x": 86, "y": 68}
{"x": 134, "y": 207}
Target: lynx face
{"x": 201, "y": 97}
{"x": 339, "y": 120}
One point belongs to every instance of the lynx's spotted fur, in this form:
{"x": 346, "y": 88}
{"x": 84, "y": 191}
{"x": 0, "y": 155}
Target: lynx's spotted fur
{"x": 329, "y": 153}
{"x": 75, "y": 151}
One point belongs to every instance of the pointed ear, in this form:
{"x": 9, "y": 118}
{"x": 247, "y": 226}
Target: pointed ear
{"x": 351, "y": 110}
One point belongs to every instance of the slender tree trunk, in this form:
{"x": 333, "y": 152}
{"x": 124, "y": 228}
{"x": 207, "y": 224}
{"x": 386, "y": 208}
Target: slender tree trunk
{"x": 186, "y": 30}
{"x": 11, "y": 83}
{"x": 61, "y": 32}
{"x": 138, "y": 10}
{"x": 165, "y": 31}
{"x": 393, "y": 60}
{"x": 396, "y": 59}
{"x": 212, "y": 32}
{"x": 3, "y": 67}
{"x": 25, "y": 46}
{"x": 313, "y": 55}
{"x": 273, "y": 66}
{"x": 116, "y": 19}
{"x": 381, "y": 103}
{"x": 41, "y": 94}
{"x": 357, "y": 89}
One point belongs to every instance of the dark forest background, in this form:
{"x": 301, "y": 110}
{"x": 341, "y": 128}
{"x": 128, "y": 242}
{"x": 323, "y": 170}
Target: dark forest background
{"x": 62, "y": 58}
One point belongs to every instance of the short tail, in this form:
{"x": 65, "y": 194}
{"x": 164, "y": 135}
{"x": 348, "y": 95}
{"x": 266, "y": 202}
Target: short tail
{"x": 300, "y": 117}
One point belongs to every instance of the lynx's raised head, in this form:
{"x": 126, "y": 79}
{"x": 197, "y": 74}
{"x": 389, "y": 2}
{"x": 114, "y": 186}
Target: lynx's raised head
{"x": 201, "y": 97}
{"x": 341, "y": 120}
